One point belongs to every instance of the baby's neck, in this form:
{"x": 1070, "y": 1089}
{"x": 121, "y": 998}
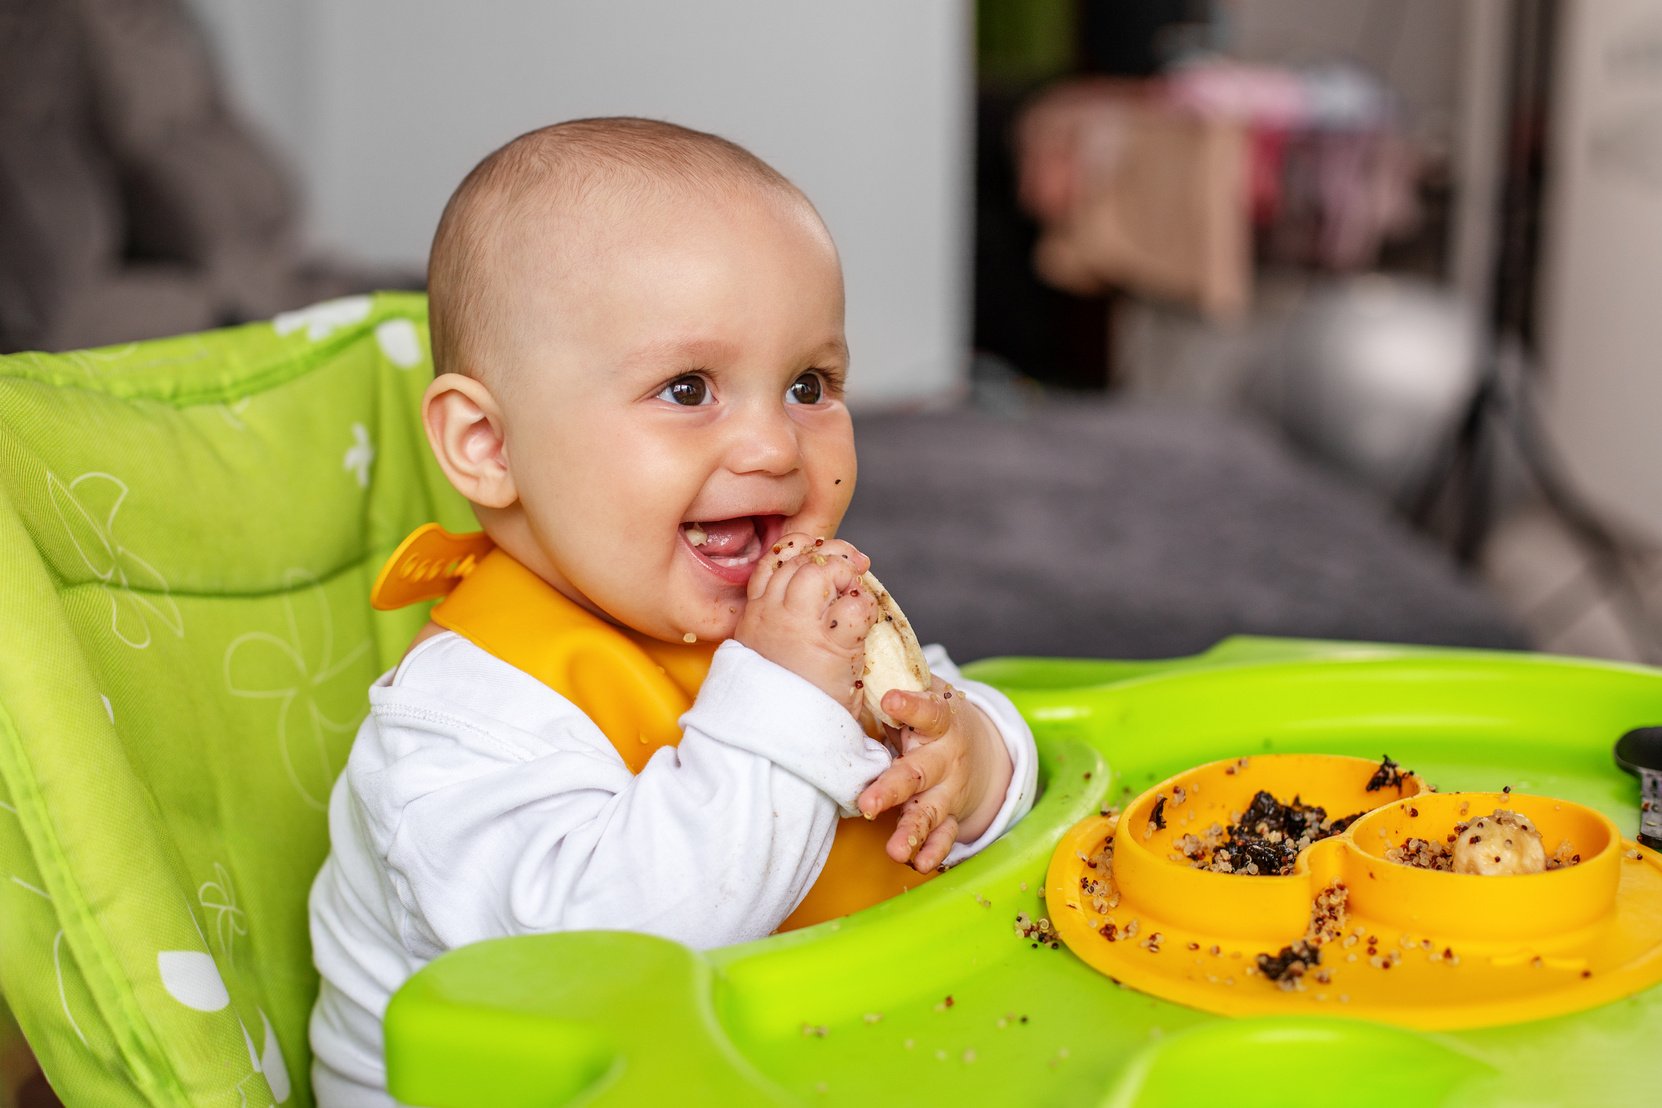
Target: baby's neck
{"x": 423, "y": 635}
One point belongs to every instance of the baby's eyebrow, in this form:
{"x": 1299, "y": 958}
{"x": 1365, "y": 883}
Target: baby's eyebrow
{"x": 836, "y": 348}
{"x": 681, "y": 352}
{"x": 697, "y": 352}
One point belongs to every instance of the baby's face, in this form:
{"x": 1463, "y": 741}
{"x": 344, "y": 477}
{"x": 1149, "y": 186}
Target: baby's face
{"x": 677, "y": 405}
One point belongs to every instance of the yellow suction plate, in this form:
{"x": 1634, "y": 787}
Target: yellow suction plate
{"x": 1419, "y": 948}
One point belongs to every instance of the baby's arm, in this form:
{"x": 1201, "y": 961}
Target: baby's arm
{"x": 492, "y": 829}
{"x": 507, "y": 811}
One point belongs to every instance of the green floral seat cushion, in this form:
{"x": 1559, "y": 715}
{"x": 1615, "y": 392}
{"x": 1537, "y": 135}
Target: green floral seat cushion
{"x": 189, "y": 529}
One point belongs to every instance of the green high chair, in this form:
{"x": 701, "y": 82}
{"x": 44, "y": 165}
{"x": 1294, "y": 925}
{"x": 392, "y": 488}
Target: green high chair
{"x": 189, "y": 528}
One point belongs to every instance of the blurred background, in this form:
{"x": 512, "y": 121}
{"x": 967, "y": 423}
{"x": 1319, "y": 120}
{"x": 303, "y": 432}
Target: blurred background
{"x": 1331, "y": 318}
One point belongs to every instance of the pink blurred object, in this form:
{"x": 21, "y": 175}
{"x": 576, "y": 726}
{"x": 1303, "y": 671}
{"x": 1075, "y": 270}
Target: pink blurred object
{"x": 1131, "y": 193}
{"x": 1261, "y": 96}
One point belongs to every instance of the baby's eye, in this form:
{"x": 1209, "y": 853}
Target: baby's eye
{"x": 690, "y": 390}
{"x": 806, "y": 389}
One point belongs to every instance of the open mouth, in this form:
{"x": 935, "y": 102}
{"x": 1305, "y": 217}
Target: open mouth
{"x": 730, "y": 548}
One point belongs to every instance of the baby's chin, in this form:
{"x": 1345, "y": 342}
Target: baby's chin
{"x": 700, "y": 625}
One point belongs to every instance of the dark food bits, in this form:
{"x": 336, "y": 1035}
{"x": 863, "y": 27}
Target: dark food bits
{"x": 1291, "y": 962}
{"x": 1265, "y": 840}
{"x": 1388, "y": 775}
{"x": 1288, "y": 965}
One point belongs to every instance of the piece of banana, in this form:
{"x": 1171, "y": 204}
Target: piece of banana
{"x": 894, "y": 660}
{"x": 1500, "y": 844}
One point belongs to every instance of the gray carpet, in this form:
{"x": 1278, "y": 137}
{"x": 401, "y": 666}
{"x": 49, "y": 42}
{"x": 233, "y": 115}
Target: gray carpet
{"x": 1084, "y": 528}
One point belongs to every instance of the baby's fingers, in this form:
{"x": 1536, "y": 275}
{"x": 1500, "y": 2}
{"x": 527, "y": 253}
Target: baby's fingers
{"x": 784, "y": 557}
{"x": 850, "y": 617}
{"x": 846, "y": 551}
{"x": 772, "y": 561}
{"x": 820, "y": 580}
{"x": 904, "y": 779}
{"x": 920, "y": 770}
{"x": 928, "y": 714}
{"x": 937, "y": 846}
{"x": 923, "y": 835}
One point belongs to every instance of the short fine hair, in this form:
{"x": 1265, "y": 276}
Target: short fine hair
{"x": 562, "y": 164}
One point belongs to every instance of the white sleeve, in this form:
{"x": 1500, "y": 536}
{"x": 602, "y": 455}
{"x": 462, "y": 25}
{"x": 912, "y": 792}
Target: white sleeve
{"x": 491, "y": 829}
{"x": 1018, "y": 740}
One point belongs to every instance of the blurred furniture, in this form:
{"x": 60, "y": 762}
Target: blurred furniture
{"x": 133, "y": 202}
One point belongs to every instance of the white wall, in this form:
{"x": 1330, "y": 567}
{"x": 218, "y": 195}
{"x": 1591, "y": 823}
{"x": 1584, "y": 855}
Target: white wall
{"x": 1602, "y": 297}
{"x": 383, "y": 105}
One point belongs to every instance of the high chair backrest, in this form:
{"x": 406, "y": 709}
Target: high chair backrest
{"x": 189, "y": 528}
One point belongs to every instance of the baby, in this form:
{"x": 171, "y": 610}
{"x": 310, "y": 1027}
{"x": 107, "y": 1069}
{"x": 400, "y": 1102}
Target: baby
{"x": 638, "y": 338}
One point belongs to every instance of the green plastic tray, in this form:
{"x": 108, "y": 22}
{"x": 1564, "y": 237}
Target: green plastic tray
{"x": 932, "y": 997}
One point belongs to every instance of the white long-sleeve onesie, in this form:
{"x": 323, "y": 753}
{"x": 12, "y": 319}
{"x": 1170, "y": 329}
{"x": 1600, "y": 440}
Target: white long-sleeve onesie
{"x": 477, "y": 802}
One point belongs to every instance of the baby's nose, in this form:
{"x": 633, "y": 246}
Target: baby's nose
{"x": 764, "y": 441}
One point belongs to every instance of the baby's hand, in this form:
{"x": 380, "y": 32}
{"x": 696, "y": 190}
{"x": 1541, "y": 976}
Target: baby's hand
{"x": 952, "y": 775}
{"x": 807, "y": 612}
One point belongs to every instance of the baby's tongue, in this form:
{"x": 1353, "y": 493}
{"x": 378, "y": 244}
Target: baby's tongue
{"x": 726, "y": 538}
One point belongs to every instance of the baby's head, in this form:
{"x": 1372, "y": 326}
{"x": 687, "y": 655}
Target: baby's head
{"x": 638, "y": 337}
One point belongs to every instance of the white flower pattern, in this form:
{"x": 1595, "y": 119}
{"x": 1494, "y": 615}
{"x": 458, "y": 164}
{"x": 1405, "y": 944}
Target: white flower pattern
{"x": 57, "y": 945}
{"x": 193, "y": 979}
{"x": 360, "y": 455}
{"x": 139, "y": 595}
{"x": 400, "y": 342}
{"x": 219, "y": 897}
{"x": 299, "y": 670}
{"x": 231, "y": 411}
{"x": 323, "y": 319}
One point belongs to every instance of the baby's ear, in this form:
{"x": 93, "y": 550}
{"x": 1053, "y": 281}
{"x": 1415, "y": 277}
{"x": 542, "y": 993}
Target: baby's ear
{"x": 465, "y": 430}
